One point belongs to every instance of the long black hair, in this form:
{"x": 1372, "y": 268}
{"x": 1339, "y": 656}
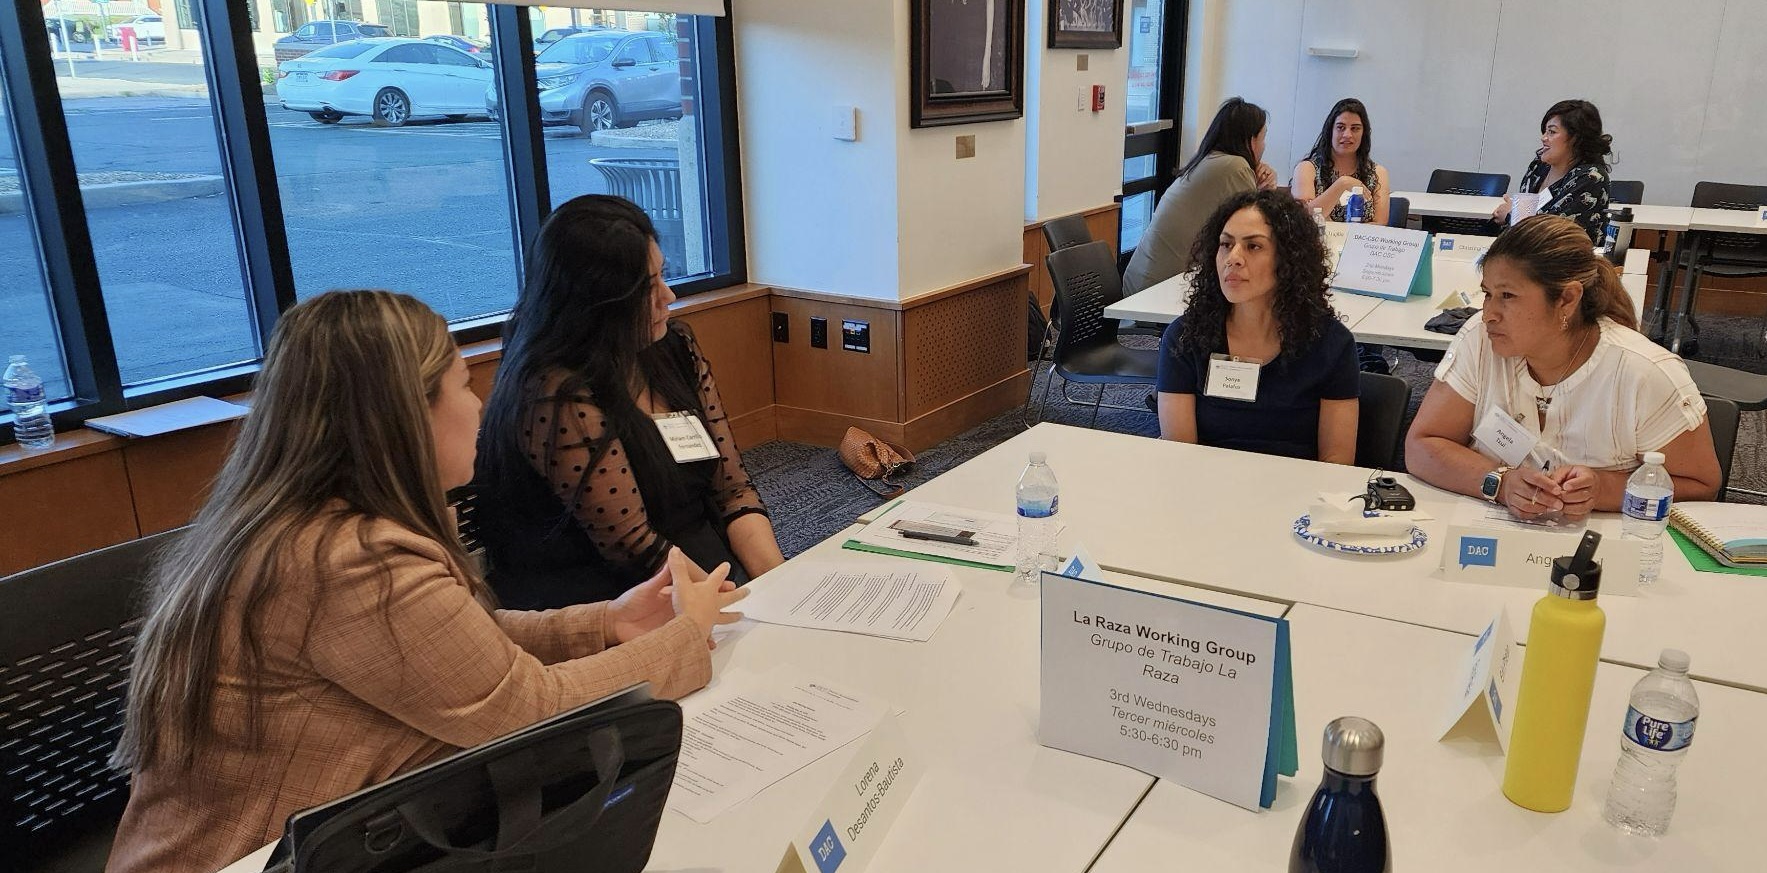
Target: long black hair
{"x": 1321, "y": 155}
{"x": 1236, "y": 124}
{"x": 1302, "y": 279}
{"x": 1582, "y": 123}
{"x": 585, "y": 313}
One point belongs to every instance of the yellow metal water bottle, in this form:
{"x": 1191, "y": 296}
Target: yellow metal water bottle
{"x": 1558, "y": 677}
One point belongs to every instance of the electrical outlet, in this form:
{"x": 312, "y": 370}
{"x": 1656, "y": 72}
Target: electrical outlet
{"x": 781, "y": 327}
{"x": 856, "y": 336}
{"x": 818, "y": 332}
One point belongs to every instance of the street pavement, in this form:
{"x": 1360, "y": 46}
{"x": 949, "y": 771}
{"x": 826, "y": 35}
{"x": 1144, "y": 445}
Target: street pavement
{"x": 422, "y": 209}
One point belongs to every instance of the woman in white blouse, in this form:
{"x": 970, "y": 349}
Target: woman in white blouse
{"x": 1556, "y": 351}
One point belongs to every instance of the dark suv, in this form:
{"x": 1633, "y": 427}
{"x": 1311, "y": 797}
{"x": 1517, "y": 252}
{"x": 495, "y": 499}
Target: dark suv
{"x": 316, "y": 35}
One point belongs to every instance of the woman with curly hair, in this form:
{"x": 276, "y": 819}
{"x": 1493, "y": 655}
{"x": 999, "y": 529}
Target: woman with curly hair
{"x": 1260, "y": 301}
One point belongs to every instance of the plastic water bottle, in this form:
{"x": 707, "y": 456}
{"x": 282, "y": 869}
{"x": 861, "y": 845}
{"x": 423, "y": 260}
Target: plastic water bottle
{"x": 1319, "y": 221}
{"x": 1357, "y": 210}
{"x": 1654, "y": 739}
{"x": 31, "y": 425}
{"x": 1039, "y": 501}
{"x": 1646, "y": 507}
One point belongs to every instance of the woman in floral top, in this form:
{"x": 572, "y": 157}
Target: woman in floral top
{"x": 1339, "y": 162}
{"x": 1570, "y": 170}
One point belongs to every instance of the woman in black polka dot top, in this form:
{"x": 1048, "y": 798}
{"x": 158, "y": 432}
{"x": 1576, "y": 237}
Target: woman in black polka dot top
{"x": 580, "y": 496}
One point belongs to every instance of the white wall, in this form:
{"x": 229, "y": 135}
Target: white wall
{"x": 819, "y": 210}
{"x": 1069, "y": 152}
{"x": 1462, "y": 86}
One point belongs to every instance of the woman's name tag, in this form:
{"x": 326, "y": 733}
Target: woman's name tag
{"x": 1232, "y": 378}
{"x": 686, "y": 437}
{"x": 1509, "y": 439}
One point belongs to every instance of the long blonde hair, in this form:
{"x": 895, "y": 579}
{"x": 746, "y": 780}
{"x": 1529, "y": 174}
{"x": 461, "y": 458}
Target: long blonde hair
{"x": 340, "y": 413}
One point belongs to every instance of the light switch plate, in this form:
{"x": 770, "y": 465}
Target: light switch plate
{"x": 844, "y": 123}
{"x": 1085, "y": 101}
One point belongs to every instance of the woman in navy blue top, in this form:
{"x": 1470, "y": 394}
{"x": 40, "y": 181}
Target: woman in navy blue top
{"x": 1259, "y": 361}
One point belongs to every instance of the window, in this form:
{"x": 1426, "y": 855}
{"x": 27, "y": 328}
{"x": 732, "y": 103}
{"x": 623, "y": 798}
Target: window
{"x": 27, "y": 324}
{"x": 1150, "y": 94}
{"x": 203, "y": 219}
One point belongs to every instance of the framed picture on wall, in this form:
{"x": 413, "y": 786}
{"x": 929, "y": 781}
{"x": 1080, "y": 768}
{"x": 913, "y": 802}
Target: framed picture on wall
{"x": 966, "y": 61}
{"x": 1085, "y": 23}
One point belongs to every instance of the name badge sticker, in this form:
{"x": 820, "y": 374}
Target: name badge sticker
{"x": 1505, "y": 437}
{"x": 686, "y": 437}
{"x": 1232, "y": 378}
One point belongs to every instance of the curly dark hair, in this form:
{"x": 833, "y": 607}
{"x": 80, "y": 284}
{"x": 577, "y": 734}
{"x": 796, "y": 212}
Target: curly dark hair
{"x": 1302, "y": 276}
{"x": 1582, "y": 122}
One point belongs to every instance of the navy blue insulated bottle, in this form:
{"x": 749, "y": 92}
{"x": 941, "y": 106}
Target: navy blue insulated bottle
{"x": 1344, "y": 830}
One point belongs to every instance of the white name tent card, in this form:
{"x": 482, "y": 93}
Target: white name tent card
{"x": 855, "y": 818}
{"x": 1485, "y": 690}
{"x": 1198, "y": 694}
{"x": 1387, "y": 262}
{"x": 1521, "y": 555}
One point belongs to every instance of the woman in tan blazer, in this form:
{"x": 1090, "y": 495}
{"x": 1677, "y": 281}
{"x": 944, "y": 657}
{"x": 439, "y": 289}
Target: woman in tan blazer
{"x": 320, "y": 629}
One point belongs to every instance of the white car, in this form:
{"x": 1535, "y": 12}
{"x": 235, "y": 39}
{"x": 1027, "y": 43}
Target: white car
{"x": 391, "y": 80}
{"x": 147, "y": 27}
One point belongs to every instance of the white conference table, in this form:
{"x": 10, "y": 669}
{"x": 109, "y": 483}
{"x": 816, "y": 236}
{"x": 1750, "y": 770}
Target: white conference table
{"x": 1444, "y": 804}
{"x": 1374, "y": 319}
{"x": 1221, "y": 519}
{"x": 968, "y": 702}
{"x": 1644, "y": 216}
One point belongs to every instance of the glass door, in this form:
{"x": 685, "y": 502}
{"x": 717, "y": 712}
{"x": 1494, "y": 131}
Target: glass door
{"x": 1152, "y": 97}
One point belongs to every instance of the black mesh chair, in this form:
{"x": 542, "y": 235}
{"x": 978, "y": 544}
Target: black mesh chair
{"x": 1735, "y": 255}
{"x": 66, "y": 631}
{"x": 1473, "y": 184}
{"x": 1379, "y": 414}
{"x": 1086, "y": 348}
{"x": 1723, "y": 417}
{"x": 1625, "y": 192}
{"x": 1068, "y": 230}
{"x": 1398, "y": 211}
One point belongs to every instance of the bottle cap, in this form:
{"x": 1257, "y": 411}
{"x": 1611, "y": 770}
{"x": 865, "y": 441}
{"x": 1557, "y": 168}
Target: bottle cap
{"x": 1353, "y": 746}
{"x": 1623, "y": 213}
{"x": 1654, "y": 458}
{"x": 1674, "y": 660}
{"x": 1578, "y": 577}
{"x": 1038, "y": 457}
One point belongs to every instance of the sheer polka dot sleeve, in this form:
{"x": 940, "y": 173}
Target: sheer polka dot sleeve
{"x": 732, "y": 492}
{"x": 569, "y": 443}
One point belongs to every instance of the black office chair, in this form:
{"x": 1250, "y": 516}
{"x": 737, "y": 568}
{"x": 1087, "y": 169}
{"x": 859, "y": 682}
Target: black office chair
{"x": 1735, "y": 255}
{"x": 1068, "y": 230}
{"x": 1747, "y": 390}
{"x": 1086, "y": 348}
{"x": 1625, "y": 192}
{"x": 1723, "y": 415}
{"x": 1058, "y": 233}
{"x": 1474, "y": 184}
{"x": 1398, "y": 211}
{"x": 66, "y": 631}
{"x": 1379, "y": 415}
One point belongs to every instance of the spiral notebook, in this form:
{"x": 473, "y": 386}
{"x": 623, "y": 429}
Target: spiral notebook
{"x": 1735, "y": 534}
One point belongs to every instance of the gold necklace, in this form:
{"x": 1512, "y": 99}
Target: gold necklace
{"x": 1544, "y": 401}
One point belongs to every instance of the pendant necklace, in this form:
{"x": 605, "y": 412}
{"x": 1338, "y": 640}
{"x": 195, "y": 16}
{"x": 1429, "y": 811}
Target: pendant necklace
{"x": 1545, "y": 400}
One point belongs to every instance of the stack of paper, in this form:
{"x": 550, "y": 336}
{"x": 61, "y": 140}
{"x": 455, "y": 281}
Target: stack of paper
{"x": 900, "y": 600}
{"x": 991, "y": 538}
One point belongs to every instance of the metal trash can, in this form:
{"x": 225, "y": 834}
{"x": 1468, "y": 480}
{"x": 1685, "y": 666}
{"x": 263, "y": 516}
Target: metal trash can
{"x": 655, "y": 185}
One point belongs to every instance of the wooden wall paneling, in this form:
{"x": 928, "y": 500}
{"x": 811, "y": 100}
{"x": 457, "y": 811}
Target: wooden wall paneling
{"x": 1036, "y": 250}
{"x": 959, "y": 345}
{"x": 60, "y": 510}
{"x": 833, "y": 380}
{"x": 736, "y": 340}
{"x": 170, "y": 475}
{"x": 1106, "y": 223}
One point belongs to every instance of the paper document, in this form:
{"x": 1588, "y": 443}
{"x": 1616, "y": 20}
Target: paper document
{"x": 753, "y": 730}
{"x": 901, "y": 600}
{"x": 168, "y": 417}
{"x": 991, "y": 538}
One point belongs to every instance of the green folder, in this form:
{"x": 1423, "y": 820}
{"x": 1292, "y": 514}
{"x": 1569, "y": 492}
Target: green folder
{"x": 875, "y": 514}
{"x": 1704, "y": 562}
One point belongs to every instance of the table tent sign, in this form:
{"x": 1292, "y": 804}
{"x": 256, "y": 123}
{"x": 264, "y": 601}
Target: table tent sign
{"x": 1485, "y": 689}
{"x": 1198, "y": 694}
{"x": 852, "y": 821}
{"x": 1392, "y": 263}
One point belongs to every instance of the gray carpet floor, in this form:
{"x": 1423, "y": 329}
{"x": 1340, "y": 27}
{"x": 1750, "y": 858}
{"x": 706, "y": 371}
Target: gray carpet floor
{"x": 811, "y": 495}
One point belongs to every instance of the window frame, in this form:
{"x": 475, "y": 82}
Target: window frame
{"x": 48, "y": 177}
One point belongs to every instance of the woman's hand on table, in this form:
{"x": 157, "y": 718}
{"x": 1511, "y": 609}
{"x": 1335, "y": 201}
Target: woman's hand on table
{"x": 1528, "y": 493}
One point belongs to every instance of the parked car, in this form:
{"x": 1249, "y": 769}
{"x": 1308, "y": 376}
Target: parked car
{"x": 148, "y": 28}
{"x": 606, "y": 79}
{"x": 470, "y": 46}
{"x": 390, "y": 80}
{"x": 546, "y": 39}
{"x": 77, "y": 31}
{"x": 319, "y": 34}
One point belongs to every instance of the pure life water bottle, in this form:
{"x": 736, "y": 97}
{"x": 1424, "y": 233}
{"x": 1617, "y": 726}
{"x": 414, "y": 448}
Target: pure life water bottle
{"x": 1646, "y": 508}
{"x": 1039, "y": 500}
{"x": 1653, "y": 740}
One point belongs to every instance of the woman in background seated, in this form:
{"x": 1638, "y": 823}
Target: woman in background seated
{"x": 580, "y": 497}
{"x": 1569, "y": 171}
{"x": 1339, "y": 161}
{"x": 1259, "y": 362}
{"x": 319, "y": 629}
{"x": 1228, "y": 161}
{"x": 1556, "y": 351}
